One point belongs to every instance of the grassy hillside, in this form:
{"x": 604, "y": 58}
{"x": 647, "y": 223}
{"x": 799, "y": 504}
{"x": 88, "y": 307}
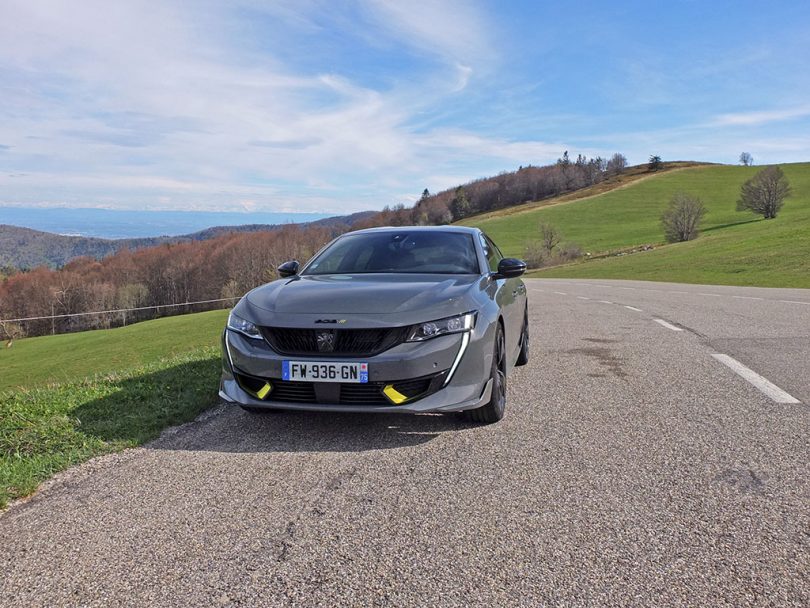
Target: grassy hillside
{"x": 34, "y": 362}
{"x": 735, "y": 248}
{"x": 65, "y": 399}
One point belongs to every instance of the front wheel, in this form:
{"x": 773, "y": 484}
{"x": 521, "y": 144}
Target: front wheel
{"x": 494, "y": 410}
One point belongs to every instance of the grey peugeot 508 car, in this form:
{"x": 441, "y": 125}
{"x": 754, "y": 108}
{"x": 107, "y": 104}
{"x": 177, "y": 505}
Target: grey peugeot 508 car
{"x": 403, "y": 319}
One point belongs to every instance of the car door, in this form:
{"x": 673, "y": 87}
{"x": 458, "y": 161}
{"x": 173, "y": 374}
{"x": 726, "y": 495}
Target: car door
{"x": 509, "y": 295}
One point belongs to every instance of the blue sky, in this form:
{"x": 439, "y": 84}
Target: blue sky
{"x": 312, "y": 105}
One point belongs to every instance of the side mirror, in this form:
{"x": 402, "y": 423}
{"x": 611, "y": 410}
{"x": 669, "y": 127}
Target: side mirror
{"x": 509, "y": 268}
{"x": 290, "y": 269}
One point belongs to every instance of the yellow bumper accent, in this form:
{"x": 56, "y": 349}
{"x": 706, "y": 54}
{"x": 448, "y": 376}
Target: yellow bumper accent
{"x": 264, "y": 391}
{"x": 394, "y": 395}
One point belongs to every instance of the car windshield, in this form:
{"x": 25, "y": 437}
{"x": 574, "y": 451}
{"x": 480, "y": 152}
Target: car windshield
{"x": 398, "y": 252}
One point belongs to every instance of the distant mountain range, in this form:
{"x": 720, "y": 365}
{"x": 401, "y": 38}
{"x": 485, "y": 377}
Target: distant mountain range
{"x": 24, "y": 248}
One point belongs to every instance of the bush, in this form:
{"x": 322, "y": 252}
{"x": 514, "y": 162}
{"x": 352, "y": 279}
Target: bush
{"x": 537, "y": 256}
{"x": 568, "y": 252}
{"x": 764, "y": 193}
{"x": 681, "y": 219}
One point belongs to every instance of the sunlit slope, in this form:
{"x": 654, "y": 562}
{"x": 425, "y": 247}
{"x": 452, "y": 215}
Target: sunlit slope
{"x": 772, "y": 253}
{"x": 630, "y": 216}
{"x": 34, "y": 362}
{"x": 735, "y": 248}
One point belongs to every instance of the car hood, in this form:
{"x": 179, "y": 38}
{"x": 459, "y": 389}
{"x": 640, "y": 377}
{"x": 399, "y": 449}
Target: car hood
{"x": 360, "y": 294}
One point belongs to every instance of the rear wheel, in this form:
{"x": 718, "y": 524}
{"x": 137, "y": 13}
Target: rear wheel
{"x": 494, "y": 410}
{"x": 523, "y": 355}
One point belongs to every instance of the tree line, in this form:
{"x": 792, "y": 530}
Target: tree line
{"x": 528, "y": 183}
{"x": 223, "y": 267}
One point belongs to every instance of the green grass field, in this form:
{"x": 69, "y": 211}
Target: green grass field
{"x": 65, "y": 399}
{"x": 34, "y": 362}
{"x": 735, "y": 248}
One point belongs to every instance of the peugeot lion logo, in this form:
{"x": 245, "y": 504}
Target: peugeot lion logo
{"x": 326, "y": 341}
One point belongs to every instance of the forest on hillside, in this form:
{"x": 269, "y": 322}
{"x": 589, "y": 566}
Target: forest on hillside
{"x": 24, "y": 248}
{"x": 154, "y": 279}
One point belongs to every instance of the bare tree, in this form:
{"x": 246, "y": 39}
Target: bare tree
{"x": 681, "y": 219}
{"x": 746, "y": 159}
{"x": 616, "y": 164}
{"x": 460, "y": 205}
{"x": 549, "y": 236}
{"x": 10, "y": 332}
{"x": 655, "y": 163}
{"x": 765, "y": 193}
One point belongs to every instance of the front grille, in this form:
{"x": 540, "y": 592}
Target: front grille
{"x": 362, "y": 394}
{"x": 338, "y": 342}
{"x": 293, "y": 392}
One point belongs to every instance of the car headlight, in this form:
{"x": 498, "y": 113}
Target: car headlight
{"x": 237, "y": 323}
{"x": 442, "y": 327}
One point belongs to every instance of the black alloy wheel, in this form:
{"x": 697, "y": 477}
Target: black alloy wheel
{"x": 494, "y": 410}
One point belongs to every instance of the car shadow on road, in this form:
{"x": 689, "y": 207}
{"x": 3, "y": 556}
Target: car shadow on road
{"x": 143, "y": 405}
{"x": 229, "y": 429}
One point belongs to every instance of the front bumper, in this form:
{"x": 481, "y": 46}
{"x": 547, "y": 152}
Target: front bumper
{"x": 247, "y": 363}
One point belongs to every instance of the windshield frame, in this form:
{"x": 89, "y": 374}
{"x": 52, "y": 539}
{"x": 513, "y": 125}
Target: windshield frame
{"x": 306, "y": 272}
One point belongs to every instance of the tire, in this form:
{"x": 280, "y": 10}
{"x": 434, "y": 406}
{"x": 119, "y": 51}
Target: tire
{"x": 494, "y": 410}
{"x": 523, "y": 355}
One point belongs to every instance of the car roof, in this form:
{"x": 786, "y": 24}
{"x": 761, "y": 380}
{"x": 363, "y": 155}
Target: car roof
{"x": 456, "y": 229}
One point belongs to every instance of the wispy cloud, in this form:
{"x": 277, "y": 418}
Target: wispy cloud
{"x": 762, "y": 117}
{"x": 457, "y": 31}
{"x": 123, "y": 101}
{"x": 317, "y": 105}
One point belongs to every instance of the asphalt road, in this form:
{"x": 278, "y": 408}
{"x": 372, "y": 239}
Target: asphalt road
{"x": 633, "y": 468}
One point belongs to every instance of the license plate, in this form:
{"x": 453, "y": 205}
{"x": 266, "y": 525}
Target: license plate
{"x": 324, "y": 371}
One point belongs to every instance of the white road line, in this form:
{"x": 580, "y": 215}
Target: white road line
{"x": 794, "y": 302}
{"x": 582, "y": 298}
{"x": 606, "y": 302}
{"x": 667, "y": 325}
{"x": 633, "y": 308}
{"x": 764, "y": 385}
{"x": 631, "y": 288}
{"x": 561, "y": 293}
{"x": 713, "y": 295}
{"x": 678, "y": 292}
{"x": 747, "y": 298}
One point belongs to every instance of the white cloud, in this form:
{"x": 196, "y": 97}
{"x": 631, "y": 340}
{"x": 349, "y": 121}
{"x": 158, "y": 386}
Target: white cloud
{"x": 218, "y": 105}
{"x": 452, "y": 29}
{"x": 154, "y": 104}
{"x": 761, "y": 117}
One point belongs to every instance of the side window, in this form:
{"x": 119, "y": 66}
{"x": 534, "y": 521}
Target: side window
{"x": 493, "y": 254}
